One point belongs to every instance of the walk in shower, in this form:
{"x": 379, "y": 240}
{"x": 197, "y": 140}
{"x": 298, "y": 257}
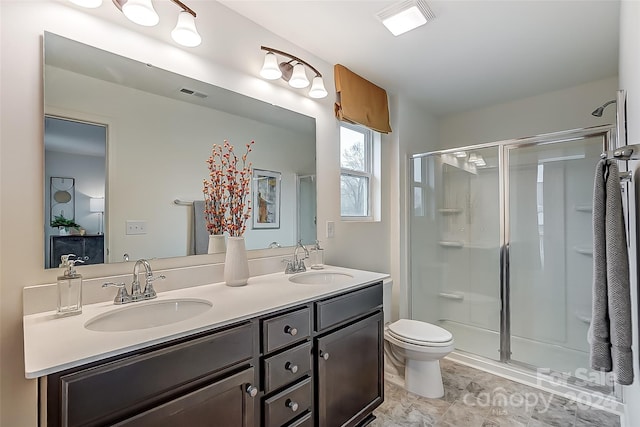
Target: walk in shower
{"x": 501, "y": 247}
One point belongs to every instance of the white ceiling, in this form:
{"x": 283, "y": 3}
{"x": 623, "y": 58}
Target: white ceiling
{"x": 475, "y": 53}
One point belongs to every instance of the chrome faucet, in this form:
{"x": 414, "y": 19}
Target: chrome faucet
{"x": 297, "y": 265}
{"x": 123, "y": 297}
{"x": 148, "y": 293}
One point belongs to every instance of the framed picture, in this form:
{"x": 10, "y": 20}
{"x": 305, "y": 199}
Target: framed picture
{"x": 62, "y": 198}
{"x": 266, "y": 199}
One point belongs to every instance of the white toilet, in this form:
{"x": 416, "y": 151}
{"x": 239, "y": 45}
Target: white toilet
{"x": 417, "y": 347}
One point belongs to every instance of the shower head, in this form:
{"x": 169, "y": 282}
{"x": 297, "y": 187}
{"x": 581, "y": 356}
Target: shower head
{"x": 598, "y": 111}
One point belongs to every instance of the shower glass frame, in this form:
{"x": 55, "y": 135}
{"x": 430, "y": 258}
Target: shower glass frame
{"x": 606, "y": 132}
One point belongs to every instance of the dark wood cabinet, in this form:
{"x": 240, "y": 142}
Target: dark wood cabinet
{"x": 186, "y": 378}
{"x": 227, "y": 402}
{"x": 89, "y": 248}
{"x": 318, "y": 363}
{"x": 349, "y": 372}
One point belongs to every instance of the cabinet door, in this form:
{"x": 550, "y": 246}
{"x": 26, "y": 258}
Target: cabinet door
{"x": 349, "y": 372}
{"x": 227, "y": 402}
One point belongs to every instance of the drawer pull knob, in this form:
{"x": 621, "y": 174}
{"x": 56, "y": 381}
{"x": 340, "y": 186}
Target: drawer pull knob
{"x": 291, "y": 331}
{"x": 291, "y": 367}
{"x": 324, "y": 355}
{"x": 292, "y": 405}
{"x": 252, "y": 390}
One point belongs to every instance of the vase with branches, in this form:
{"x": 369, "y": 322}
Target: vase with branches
{"x": 227, "y": 206}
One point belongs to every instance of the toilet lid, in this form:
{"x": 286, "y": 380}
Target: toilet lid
{"x": 419, "y": 332}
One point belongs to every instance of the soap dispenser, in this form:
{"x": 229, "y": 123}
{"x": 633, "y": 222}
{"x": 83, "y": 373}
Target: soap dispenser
{"x": 69, "y": 287}
{"x": 317, "y": 257}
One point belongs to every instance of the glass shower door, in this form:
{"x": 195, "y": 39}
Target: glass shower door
{"x": 549, "y": 231}
{"x": 454, "y": 246}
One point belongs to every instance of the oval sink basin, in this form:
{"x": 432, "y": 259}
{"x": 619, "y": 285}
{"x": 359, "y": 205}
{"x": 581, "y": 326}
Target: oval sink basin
{"x": 321, "y": 278}
{"x": 148, "y": 315}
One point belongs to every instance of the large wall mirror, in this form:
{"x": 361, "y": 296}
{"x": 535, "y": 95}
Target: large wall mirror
{"x": 133, "y": 140}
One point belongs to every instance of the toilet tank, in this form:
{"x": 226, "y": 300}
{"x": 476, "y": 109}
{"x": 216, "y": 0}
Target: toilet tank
{"x": 387, "y": 291}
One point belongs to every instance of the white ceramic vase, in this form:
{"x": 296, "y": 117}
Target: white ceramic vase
{"x": 216, "y": 244}
{"x": 236, "y": 264}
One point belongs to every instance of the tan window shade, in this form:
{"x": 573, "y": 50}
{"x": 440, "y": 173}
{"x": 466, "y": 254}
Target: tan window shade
{"x": 360, "y": 101}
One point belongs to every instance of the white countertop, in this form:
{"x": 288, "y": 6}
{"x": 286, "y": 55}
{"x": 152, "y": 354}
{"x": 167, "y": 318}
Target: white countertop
{"x": 53, "y": 344}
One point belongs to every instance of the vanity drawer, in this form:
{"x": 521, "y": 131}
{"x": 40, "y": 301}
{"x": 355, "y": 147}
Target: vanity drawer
{"x": 288, "y": 404}
{"x": 285, "y": 329}
{"x": 338, "y": 309}
{"x": 286, "y": 367}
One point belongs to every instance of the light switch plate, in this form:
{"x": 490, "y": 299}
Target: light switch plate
{"x": 136, "y": 227}
{"x": 331, "y": 229}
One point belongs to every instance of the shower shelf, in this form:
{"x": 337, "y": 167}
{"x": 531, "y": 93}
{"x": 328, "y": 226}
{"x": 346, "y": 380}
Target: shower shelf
{"x": 451, "y": 244}
{"x": 450, "y": 211}
{"x": 584, "y": 250}
{"x": 583, "y": 318}
{"x": 583, "y": 208}
{"x": 451, "y": 295}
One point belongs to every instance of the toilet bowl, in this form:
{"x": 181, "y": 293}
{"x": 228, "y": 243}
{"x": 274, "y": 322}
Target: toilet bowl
{"x": 419, "y": 346}
{"x": 414, "y": 349}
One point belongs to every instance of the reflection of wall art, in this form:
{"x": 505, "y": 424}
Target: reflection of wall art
{"x": 62, "y": 199}
{"x": 266, "y": 199}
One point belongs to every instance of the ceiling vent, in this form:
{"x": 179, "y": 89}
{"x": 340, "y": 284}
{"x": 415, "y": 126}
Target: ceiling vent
{"x": 405, "y": 16}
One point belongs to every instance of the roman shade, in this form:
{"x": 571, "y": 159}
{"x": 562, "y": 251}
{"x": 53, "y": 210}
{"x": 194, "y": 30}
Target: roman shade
{"x": 360, "y": 101}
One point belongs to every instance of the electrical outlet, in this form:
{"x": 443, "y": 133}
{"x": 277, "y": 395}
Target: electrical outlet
{"x": 136, "y": 227}
{"x": 331, "y": 229}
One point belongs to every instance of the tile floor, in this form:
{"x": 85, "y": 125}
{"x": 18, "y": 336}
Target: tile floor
{"x": 475, "y": 398}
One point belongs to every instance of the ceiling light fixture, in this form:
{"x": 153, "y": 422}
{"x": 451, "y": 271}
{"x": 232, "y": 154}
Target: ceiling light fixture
{"x": 142, "y": 13}
{"x": 405, "y": 16}
{"x": 292, "y": 71}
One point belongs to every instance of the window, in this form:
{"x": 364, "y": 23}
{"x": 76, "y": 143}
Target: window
{"x": 356, "y": 171}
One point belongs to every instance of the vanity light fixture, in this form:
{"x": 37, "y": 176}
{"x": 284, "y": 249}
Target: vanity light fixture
{"x": 405, "y": 16}
{"x": 292, "y": 71}
{"x": 142, "y": 12}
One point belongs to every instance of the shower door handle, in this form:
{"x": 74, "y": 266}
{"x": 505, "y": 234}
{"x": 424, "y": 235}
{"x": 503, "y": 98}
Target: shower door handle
{"x": 505, "y": 312}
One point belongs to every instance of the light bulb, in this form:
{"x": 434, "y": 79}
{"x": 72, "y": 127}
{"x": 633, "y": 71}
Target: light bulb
{"x": 317, "y": 88}
{"x": 298, "y": 77}
{"x": 185, "y": 32}
{"x": 270, "y": 69}
{"x": 141, "y": 12}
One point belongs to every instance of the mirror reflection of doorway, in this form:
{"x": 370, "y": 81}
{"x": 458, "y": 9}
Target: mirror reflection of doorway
{"x": 77, "y": 150}
{"x": 307, "y": 209}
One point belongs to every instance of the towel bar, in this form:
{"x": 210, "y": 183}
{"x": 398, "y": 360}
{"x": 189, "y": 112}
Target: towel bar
{"x": 628, "y": 152}
{"x": 183, "y": 202}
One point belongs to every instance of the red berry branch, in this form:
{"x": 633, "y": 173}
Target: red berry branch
{"x": 226, "y": 192}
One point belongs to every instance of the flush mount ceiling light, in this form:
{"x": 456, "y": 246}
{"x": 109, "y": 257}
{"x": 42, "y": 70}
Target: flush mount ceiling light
{"x": 292, "y": 71}
{"x": 405, "y": 16}
{"x": 142, "y": 13}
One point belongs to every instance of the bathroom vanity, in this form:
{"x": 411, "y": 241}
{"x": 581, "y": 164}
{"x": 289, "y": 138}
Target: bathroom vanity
{"x": 288, "y": 354}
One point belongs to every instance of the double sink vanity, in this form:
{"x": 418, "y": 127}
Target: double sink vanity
{"x": 285, "y": 350}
